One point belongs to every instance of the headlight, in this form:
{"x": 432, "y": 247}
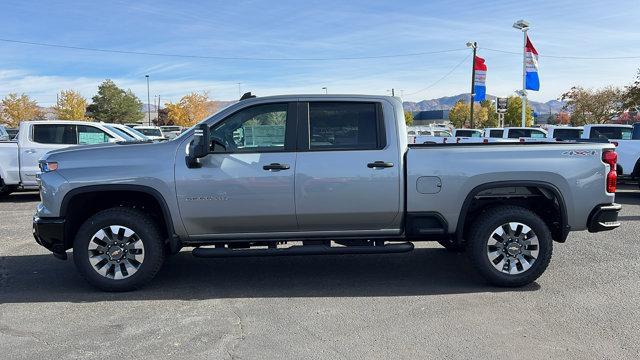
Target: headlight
{"x": 47, "y": 166}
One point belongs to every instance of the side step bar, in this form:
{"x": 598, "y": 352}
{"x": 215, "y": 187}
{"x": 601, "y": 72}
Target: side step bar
{"x": 302, "y": 250}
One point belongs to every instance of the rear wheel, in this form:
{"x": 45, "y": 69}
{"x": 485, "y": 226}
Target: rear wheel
{"x": 118, "y": 249}
{"x": 510, "y": 246}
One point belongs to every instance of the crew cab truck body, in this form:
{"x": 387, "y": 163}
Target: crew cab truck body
{"x": 19, "y": 159}
{"x": 318, "y": 174}
{"x": 627, "y": 148}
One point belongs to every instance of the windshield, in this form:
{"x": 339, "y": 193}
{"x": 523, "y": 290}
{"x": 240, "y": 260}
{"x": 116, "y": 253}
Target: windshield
{"x": 150, "y": 132}
{"x": 135, "y": 133}
{"x": 120, "y": 133}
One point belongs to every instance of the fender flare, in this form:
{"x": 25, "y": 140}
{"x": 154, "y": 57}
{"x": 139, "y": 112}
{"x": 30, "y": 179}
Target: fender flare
{"x": 509, "y": 183}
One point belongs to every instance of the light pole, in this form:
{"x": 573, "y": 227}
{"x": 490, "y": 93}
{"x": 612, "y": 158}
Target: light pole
{"x": 148, "y": 100}
{"x": 474, "y": 46}
{"x": 325, "y": 90}
{"x": 239, "y": 90}
{"x": 523, "y": 26}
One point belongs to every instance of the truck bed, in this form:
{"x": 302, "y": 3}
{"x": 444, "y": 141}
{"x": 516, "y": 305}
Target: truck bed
{"x": 441, "y": 176}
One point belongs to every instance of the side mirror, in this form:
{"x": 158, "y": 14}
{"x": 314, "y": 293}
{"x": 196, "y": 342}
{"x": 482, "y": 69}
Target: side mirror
{"x": 201, "y": 142}
{"x": 199, "y": 147}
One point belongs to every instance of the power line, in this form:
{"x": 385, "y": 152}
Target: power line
{"x": 227, "y": 57}
{"x": 566, "y": 57}
{"x": 442, "y": 78}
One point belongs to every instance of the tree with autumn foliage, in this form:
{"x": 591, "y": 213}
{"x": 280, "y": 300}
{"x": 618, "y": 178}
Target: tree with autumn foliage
{"x": 460, "y": 115}
{"x": 191, "y": 109}
{"x": 70, "y": 106}
{"x": 16, "y": 108}
{"x": 588, "y": 106}
{"x": 408, "y": 118}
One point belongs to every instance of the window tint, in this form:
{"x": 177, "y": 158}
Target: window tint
{"x": 567, "y": 134}
{"x": 537, "y": 134}
{"x": 611, "y": 133}
{"x": 91, "y": 135}
{"x": 468, "y": 133}
{"x": 54, "y": 134}
{"x": 259, "y": 128}
{"x": 495, "y": 133}
{"x": 343, "y": 125}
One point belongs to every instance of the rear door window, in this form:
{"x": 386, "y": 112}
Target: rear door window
{"x": 568, "y": 134}
{"x": 55, "y": 134}
{"x": 495, "y": 133}
{"x": 611, "y": 133}
{"x": 344, "y": 125}
{"x": 91, "y": 135}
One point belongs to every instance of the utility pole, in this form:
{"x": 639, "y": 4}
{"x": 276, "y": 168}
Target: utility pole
{"x": 148, "y": 100}
{"x": 474, "y": 46}
{"x": 393, "y": 92}
{"x": 239, "y": 90}
{"x": 523, "y": 26}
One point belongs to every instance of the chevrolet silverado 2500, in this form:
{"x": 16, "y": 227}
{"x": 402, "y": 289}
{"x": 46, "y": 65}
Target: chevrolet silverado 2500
{"x": 318, "y": 174}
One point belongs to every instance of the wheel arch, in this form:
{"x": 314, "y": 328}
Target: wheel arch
{"x": 116, "y": 194}
{"x": 559, "y": 233}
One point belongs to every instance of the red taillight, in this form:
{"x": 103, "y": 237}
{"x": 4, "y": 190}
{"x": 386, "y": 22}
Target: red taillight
{"x": 610, "y": 158}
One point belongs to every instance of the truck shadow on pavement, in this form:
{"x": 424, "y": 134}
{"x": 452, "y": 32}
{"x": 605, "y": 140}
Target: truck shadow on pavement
{"x": 425, "y": 271}
{"x": 21, "y": 197}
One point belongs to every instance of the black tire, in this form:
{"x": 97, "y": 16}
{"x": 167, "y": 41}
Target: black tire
{"x": 147, "y": 231}
{"x": 452, "y": 246}
{"x": 483, "y": 229}
{"x": 5, "y": 190}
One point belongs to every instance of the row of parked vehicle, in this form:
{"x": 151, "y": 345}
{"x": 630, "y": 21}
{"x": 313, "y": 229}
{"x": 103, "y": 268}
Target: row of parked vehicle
{"x": 19, "y": 154}
{"x": 626, "y": 138}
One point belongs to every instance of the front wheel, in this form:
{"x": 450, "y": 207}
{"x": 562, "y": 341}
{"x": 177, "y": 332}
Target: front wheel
{"x": 118, "y": 249}
{"x": 510, "y": 246}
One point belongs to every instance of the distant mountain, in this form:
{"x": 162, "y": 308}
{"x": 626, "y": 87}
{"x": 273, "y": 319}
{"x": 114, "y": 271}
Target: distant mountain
{"x": 447, "y": 102}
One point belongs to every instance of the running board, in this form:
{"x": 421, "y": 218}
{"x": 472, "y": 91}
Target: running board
{"x": 302, "y": 250}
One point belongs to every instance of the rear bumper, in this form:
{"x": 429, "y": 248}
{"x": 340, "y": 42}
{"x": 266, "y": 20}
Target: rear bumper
{"x": 49, "y": 232}
{"x": 604, "y": 217}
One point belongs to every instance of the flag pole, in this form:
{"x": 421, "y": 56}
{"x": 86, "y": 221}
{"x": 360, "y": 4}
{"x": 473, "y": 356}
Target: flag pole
{"x": 474, "y": 46}
{"x": 524, "y": 78}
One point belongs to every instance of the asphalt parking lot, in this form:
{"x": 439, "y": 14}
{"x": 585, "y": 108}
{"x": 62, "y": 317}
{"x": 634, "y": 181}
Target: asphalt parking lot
{"x": 424, "y": 304}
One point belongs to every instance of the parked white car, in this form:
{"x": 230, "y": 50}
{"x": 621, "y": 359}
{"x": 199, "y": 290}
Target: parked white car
{"x": 133, "y": 133}
{"x": 515, "y": 133}
{"x": 627, "y": 148}
{"x": 151, "y": 132}
{"x": 19, "y": 159}
{"x": 171, "y": 131}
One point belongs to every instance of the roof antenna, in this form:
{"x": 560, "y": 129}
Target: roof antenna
{"x": 247, "y": 95}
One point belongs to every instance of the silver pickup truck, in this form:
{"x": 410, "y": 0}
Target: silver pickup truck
{"x": 312, "y": 175}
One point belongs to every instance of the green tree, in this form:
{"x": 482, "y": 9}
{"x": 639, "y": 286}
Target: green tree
{"x": 408, "y": 118}
{"x": 70, "y": 106}
{"x": 589, "y": 106}
{"x": 492, "y": 115}
{"x": 513, "y": 116}
{"x": 115, "y": 105}
{"x": 16, "y": 108}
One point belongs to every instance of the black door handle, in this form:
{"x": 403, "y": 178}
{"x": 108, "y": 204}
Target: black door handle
{"x": 276, "y": 166}
{"x": 380, "y": 164}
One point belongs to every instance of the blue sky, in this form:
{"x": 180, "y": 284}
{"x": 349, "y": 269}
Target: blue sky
{"x": 311, "y": 29}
